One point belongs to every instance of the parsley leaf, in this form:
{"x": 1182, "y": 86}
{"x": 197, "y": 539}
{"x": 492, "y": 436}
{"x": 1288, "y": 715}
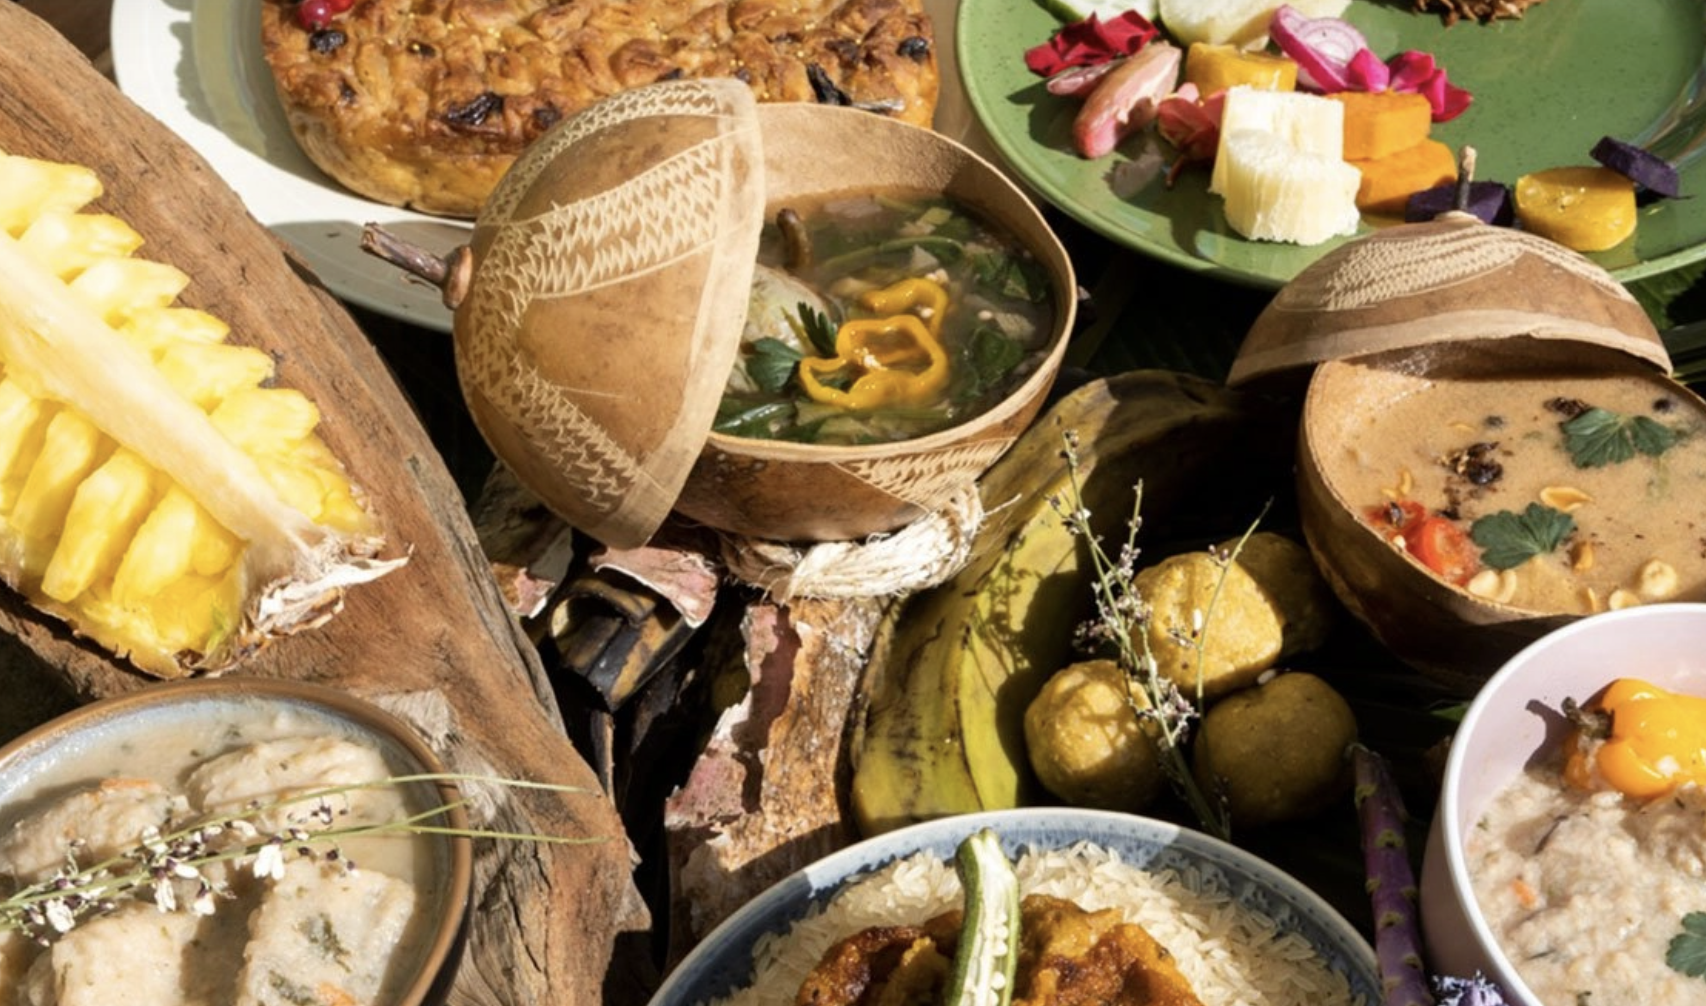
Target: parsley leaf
{"x": 988, "y": 357}
{"x": 771, "y": 364}
{"x": 1600, "y": 437}
{"x": 818, "y": 329}
{"x": 1509, "y": 539}
{"x": 1687, "y": 951}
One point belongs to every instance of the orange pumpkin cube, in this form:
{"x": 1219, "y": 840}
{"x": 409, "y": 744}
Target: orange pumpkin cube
{"x": 1217, "y": 67}
{"x": 1381, "y": 123}
{"x": 1388, "y": 182}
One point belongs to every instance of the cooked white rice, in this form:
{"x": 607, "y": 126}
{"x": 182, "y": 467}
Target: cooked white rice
{"x": 1232, "y": 955}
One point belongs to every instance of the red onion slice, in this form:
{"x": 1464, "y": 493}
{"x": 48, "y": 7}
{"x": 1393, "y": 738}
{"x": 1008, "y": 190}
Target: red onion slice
{"x": 1322, "y": 47}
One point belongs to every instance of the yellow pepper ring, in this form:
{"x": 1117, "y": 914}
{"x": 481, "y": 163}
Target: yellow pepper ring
{"x": 908, "y": 295}
{"x": 880, "y": 348}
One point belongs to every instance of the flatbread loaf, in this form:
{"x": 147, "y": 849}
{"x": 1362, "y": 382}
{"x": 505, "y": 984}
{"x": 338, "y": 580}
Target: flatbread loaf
{"x": 425, "y": 103}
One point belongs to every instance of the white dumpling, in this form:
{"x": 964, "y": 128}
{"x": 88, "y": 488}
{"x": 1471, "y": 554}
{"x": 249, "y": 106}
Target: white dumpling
{"x": 94, "y": 823}
{"x": 323, "y": 935}
{"x": 136, "y": 955}
{"x": 260, "y": 774}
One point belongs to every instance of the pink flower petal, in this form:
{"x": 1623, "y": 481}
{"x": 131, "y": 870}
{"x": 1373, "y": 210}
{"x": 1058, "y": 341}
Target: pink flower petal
{"x": 1091, "y": 41}
{"x": 1366, "y": 72}
{"x": 1410, "y": 69}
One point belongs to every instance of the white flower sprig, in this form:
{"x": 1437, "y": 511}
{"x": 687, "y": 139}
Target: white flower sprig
{"x": 164, "y": 866}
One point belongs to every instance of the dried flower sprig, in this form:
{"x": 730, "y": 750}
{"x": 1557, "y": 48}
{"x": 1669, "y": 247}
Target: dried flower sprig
{"x": 165, "y": 865}
{"x": 1121, "y": 622}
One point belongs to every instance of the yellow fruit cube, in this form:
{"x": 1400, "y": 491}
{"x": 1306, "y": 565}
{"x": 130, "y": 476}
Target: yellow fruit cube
{"x": 1215, "y": 68}
{"x": 1584, "y": 208}
{"x": 153, "y": 493}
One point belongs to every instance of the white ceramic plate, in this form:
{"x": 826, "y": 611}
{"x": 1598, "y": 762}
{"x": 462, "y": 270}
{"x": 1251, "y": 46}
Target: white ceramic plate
{"x": 196, "y": 65}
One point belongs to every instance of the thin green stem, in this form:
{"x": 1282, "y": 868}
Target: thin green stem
{"x": 1121, "y": 614}
{"x": 154, "y": 859}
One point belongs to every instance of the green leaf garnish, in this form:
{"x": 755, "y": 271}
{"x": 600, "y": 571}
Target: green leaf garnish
{"x": 989, "y": 356}
{"x": 1010, "y": 276}
{"x": 772, "y": 364}
{"x": 1600, "y": 437}
{"x": 818, "y": 329}
{"x": 1687, "y": 951}
{"x": 1510, "y": 539}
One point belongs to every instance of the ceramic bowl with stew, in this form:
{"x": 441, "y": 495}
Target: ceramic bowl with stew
{"x": 1561, "y": 895}
{"x": 250, "y": 825}
{"x": 612, "y": 285}
{"x": 1237, "y": 927}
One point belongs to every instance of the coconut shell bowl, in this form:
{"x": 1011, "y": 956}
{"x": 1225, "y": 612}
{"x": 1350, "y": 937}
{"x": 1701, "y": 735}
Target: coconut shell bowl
{"x": 1440, "y": 333}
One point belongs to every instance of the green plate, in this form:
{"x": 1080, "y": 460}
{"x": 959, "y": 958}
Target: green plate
{"x": 1545, "y": 87}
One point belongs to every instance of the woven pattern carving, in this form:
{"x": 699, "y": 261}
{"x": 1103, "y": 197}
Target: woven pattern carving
{"x": 929, "y": 480}
{"x": 661, "y": 215}
{"x": 1390, "y": 268}
{"x": 646, "y": 102}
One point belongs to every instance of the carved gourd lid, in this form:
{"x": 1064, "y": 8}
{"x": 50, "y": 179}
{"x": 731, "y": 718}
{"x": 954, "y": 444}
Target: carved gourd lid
{"x": 1452, "y": 279}
{"x": 612, "y": 268}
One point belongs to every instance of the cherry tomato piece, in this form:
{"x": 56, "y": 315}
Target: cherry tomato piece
{"x": 1440, "y": 545}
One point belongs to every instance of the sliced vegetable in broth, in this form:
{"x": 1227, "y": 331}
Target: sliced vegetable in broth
{"x": 886, "y": 317}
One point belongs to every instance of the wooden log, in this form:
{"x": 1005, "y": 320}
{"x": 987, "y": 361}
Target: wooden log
{"x": 432, "y": 640}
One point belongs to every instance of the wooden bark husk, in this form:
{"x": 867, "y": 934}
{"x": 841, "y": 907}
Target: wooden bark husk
{"x": 768, "y": 796}
{"x": 433, "y": 640}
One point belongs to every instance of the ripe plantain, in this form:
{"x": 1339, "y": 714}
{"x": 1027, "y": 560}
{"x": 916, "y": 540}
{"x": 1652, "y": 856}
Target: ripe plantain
{"x": 953, "y": 668}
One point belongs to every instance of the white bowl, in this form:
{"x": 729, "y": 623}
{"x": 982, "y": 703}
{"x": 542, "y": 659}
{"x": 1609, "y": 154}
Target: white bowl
{"x": 723, "y": 962}
{"x": 1515, "y": 718}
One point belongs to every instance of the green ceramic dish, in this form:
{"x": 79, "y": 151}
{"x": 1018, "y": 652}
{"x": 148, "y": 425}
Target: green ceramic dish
{"x": 1546, "y": 88}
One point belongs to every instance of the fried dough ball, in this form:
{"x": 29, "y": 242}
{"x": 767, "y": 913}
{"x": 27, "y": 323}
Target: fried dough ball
{"x": 1084, "y": 740}
{"x": 1286, "y": 572}
{"x": 1276, "y": 751}
{"x": 1271, "y": 604}
{"x": 1238, "y": 629}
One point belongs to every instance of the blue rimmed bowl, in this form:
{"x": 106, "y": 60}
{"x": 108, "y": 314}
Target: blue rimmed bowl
{"x": 724, "y": 962}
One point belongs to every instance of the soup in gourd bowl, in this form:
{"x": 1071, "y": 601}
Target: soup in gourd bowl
{"x": 797, "y": 322}
{"x": 1490, "y": 442}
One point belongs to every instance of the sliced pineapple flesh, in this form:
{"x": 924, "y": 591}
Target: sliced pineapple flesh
{"x": 158, "y": 492}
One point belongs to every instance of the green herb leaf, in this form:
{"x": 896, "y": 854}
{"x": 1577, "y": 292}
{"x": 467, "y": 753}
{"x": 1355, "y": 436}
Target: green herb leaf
{"x": 1600, "y": 437}
{"x": 1010, "y": 276}
{"x": 1651, "y": 436}
{"x": 1687, "y": 951}
{"x": 1510, "y": 539}
{"x": 771, "y": 365}
{"x": 818, "y": 329}
{"x": 989, "y": 357}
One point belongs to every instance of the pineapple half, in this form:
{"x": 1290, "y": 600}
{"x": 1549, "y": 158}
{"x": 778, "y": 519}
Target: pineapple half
{"x": 157, "y": 493}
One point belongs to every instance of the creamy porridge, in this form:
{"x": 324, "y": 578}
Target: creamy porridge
{"x": 1585, "y": 890}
